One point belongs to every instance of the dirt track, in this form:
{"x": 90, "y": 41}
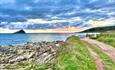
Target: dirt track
{"x": 97, "y": 59}
{"x": 107, "y": 49}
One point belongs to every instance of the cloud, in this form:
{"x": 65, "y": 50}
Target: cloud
{"x": 43, "y": 21}
{"x": 101, "y": 23}
{"x": 55, "y": 13}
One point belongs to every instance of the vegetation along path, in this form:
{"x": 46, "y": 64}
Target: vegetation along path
{"x": 97, "y": 59}
{"x": 107, "y": 49}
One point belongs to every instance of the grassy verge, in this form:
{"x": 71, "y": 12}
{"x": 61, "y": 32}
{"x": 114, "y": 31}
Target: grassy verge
{"x": 107, "y": 61}
{"x": 74, "y": 56}
{"x": 108, "y": 38}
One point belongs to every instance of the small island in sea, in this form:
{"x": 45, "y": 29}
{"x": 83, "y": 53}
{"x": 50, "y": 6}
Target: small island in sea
{"x": 20, "y": 32}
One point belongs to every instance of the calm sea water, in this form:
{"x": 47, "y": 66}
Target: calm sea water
{"x": 14, "y": 39}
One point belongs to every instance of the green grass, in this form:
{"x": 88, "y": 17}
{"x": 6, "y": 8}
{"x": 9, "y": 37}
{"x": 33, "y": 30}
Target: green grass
{"x": 108, "y": 38}
{"x": 107, "y": 61}
{"x": 74, "y": 56}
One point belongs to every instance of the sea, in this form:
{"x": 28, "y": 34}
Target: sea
{"x": 17, "y": 39}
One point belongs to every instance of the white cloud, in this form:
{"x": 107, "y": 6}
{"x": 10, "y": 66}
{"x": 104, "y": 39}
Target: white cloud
{"x": 75, "y": 19}
{"x": 94, "y": 10}
{"x": 70, "y": 13}
{"x": 43, "y": 21}
{"x": 110, "y": 13}
{"x": 27, "y": 8}
{"x": 4, "y": 23}
{"x": 54, "y": 17}
{"x": 100, "y": 23}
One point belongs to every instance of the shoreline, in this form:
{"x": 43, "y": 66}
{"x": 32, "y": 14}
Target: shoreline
{"x": 37, "y": 52}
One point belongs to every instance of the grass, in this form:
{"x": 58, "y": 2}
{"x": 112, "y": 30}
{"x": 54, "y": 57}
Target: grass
{"x": 107, "y": 61}
{"x": 108, "y": 38}
{"x": 74, "y": 56}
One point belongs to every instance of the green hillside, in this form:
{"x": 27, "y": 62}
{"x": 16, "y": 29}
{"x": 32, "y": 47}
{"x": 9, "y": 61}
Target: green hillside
{"x": 101, "y": 29}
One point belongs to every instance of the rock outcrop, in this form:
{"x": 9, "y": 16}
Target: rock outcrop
{"x": 37, "y": 52}
{"x": 20, "y": 32}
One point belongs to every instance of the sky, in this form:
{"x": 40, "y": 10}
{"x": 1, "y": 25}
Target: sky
{"x": 56, "y": 14}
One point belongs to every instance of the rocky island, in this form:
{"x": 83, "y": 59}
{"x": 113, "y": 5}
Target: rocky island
{"x": 20, "y": 32}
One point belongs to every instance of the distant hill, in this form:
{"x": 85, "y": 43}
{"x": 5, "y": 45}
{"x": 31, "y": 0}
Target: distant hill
{"x": 20, "y": 32}
{"x": 101, "y": 29}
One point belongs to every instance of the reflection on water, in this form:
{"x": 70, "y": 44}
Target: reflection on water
{"x": 9, "y": 39}
{"x": 48, "y": 37}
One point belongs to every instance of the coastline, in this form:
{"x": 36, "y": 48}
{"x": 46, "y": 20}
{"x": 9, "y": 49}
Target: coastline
{"x": 38, "y": 52}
